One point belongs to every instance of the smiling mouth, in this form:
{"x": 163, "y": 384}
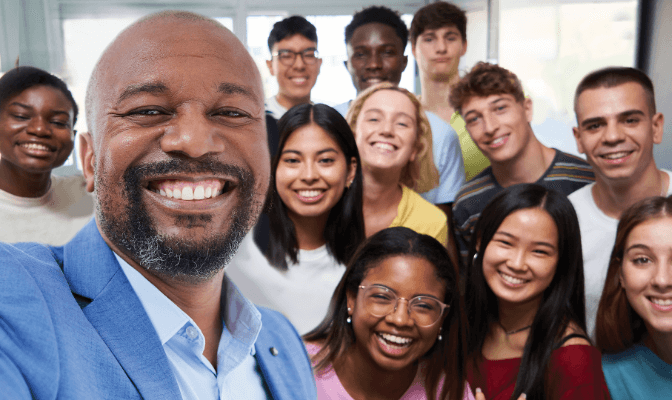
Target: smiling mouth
{"x": 190, "y": 190}
{"x": 499, "y": 141}
{"x": 386, "y": 147}
{"x": 512, "y": 279}
{"x": 394, "y": 342}
{"x": 661, "y": 303}
{"x": 37, "y": 147}
{"x": 310, "y": 196}
{"x": 616, "y": 156}
{"x": 299, "y": 80}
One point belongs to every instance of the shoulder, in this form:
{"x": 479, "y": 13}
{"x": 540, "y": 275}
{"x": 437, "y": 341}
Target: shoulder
{"x": 569, "y": 167}
{"x": 421, "y": 208}
{"x": 475, "y": 193}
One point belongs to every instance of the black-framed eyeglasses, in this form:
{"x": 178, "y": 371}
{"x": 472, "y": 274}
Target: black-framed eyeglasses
{"x": 288, "y": 57}
{"x": 381, "y": 301}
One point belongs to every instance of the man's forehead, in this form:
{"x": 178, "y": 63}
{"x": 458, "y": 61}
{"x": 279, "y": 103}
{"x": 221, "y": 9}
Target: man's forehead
{"x": 375, "y": 33}
{"x": 475, "y": 103}
{"x": 606, "y": 101}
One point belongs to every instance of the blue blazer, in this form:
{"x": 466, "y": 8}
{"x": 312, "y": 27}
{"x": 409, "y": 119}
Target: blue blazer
{"x": 71, "y": 327}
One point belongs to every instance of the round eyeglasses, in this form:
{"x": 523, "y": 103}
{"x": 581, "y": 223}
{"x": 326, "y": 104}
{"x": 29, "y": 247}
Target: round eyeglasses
{"x": 288, "y": 57}
{"x": 381, "y": 301}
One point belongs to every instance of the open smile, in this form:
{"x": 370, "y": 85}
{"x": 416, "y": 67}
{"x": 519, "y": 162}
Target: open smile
{"x": 190, "y": 190}
{"x": 384, "y": 147}
{"x": 393, "y": 344}
{"x": 499, "y": 142}
{"x": 661, "y": 304}
{"x": 617, "y": 157}
{"x": 37, "y": 149}
{"x": 311, "y": 195}
{"x": 512, "y": 280}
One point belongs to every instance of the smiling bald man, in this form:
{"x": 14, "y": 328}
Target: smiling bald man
{"x": 137, "y": 305}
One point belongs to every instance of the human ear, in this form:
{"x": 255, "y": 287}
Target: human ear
{"x": 527, "y": 105}
{"x": 351, "y": 301}
{"x": 657, "y": 125}
{"x": 577, "y": 135}
{"x": 88, "y": 159}
{"x": 269, "y": 64}
{"x": 352, "y": 170}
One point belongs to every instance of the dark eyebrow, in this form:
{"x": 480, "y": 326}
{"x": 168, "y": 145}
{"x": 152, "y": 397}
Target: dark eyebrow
{"x": 26, "y": 106}
{"x": 232, "y": 88}
{"x": 629, "y": 113}
{"x": 546, "y": 244}
{"x": 397, "y": 294}
{"x": 497, "y": 100}
{"x": 327, "y": 150}
{"x": 151, "y": 88}
{"x": 591, "y": 121}
{"x": 637, "y": 246}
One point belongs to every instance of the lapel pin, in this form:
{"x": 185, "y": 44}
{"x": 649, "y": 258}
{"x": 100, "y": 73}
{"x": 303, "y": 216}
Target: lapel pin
{"x": 274, "y": 351}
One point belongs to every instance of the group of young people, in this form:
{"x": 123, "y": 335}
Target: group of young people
{"x": 428, "y": 246}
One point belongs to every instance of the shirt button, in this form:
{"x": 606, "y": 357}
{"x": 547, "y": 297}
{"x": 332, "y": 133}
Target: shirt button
{"x": 192, "y": 332}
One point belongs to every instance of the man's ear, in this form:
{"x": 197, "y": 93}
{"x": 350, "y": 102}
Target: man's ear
{"x": 405, "y": 63}
{"x": 658, "y": 125}
{"x": 527, "y": 105}
{"x": 269, "y": 64}
{"x": 464, "y": 48}
{"x": 88, "y": 159}
{"x": 577, "y": 135}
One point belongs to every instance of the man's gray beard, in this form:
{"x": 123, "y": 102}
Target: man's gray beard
{"x": 184, "y": 259}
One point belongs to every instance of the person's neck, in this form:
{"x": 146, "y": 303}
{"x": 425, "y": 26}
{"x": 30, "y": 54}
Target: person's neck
{"x": 362, "y": 378}
{"x": 435, "y": 94}
{"x": 614, "y": 197}
{"x": 660, "y": 344}
{"x": 20, "y": 183}
{"x": 200, "y": 300}
{"x": 309, "y": 231}
{"x": 289, "y": 102}
{"x": 514, "y": 317}
{"x": 382, "y": 194}
{"x": 527, "y": 167}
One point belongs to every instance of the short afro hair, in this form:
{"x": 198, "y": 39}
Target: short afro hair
{"x": 382, "y": 15}
{"x": 19, "y": 79}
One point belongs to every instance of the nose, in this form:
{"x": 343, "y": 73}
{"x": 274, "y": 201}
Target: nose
{"x": 401, "y": 315}
{"x": 374, "y": 61}
{"x": 517, "y": 260}
{"x": 612, "y": 134}
{"x": 662, "y": 278}
{"x": 441, "y": 46}
{"x": 491, "y": 123}
{"x": 38, "y": 126}
{"x": 192, "y": 134}
{"x": 309, "y": 173}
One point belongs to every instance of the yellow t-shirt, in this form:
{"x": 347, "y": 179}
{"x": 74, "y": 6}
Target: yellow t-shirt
{"x": 418, "y": 214}
{"x": 474, "y": 160}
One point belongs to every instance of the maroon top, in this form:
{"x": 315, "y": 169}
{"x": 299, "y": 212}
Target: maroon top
{"x": 575, "y": 371}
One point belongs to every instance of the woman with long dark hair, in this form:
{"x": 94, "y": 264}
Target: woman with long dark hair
{"x": 634, "y": 319}
{"x": 395, "y": 328}
{"x": 525, "y": 301}
{"x": 315, "y": 216}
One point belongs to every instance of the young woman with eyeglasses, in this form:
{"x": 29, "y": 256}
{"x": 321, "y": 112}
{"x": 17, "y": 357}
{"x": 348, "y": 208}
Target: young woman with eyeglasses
{"x": 315, "y": 215}
{"x": 395, "y": 325}
{"x": 525, "y": 301}
{"x": 634, "y": 318}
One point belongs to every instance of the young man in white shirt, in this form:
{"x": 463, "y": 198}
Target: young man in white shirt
{"x": 617, "y": 126}
{"x": 294, "y": 62}
{"x": 438, "y": 38}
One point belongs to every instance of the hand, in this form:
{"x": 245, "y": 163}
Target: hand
{"x": 481, "y": 396}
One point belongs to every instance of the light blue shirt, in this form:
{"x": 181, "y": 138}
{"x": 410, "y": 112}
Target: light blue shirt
{"x": 447, "y": 155}
{"x": 237, "y": 375}
{"x": 637, "y": 373}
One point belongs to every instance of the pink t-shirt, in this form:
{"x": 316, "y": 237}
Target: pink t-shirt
{"x": 329, "y": 387}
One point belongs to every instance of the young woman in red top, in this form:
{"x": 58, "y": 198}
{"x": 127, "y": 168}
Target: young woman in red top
{"x": 525, "y": 301}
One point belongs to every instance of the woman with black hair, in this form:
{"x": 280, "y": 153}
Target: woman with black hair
{"x": 37, "y": 118}
{"x": 395, "y": 328}
{"x": 316, "y": 220}
{"x": 525, "y": 301}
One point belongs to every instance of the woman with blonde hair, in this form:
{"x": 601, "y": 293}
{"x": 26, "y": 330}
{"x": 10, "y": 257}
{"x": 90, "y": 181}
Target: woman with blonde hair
{"x": 395, "y": 144}
{"x": 634, "y": 319}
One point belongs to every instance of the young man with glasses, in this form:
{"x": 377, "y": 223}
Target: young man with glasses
{"x": 294, "y": 62}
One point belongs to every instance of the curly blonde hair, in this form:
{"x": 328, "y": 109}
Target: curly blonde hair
{"x": 420, "y": 174}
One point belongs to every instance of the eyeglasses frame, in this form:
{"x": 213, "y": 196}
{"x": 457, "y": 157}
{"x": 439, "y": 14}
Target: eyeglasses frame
{"x": 297, "y": 53}
{"x": 443, "y": 305}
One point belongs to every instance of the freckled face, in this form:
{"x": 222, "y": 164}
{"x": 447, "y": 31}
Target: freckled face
{"x": 520, "y": 261}
{"x": 178, "y": 156}
{"x": 36, "y": 133}
{"x": 646, "y": 274}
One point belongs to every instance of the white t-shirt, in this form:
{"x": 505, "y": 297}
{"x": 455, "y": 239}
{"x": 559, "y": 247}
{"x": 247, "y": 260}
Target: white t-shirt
{"x": 274, "y": 108}
{"x": 52, "y": 219}
{"x": 302, "y": 293}
{"x": 598, "y": 234}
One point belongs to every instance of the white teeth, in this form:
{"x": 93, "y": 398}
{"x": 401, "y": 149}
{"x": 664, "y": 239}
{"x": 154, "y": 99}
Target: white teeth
{"x": 187, "y": 193}
{"x": 309, "y": 193}
{"x": 511, "y": 279}
{"x": 614, "y": 156}
{"x": 177, "y": 193}
{"x": 208, "y": 192}
{"x": 661, "y": 302}
{"x": 162, "y": 192}
{"x": 395, "y": 339}
{"x": 169, "y": 193}
{"x": 498, "y": 140}
{"x": 35, "y": 146}
{"x": 299, "y": 80}
{"x": 384, "y": 146}
{"x": 199, "y": 193}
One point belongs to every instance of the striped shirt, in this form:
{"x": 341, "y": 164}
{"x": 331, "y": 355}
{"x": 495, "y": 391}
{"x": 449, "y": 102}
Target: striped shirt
{"x": 566, "y": 174}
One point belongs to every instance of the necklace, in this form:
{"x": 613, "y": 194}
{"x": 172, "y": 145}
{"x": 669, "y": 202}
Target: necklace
{"x": 515, "y": 330}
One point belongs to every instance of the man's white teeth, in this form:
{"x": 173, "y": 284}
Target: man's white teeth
{"x": 662, "y": 302}
{"x": 498, "y": 140}
{"x": 35, "y": 146}
{"x": 299, "y": 80}
{"x": 309, "y": 193}
{"x": 396, "y": 339}
{"x": 613, "y": 156}
{"x": 384, "y": 146}
{"x": 187, "y": 193}
{"x": 511, "y": 279}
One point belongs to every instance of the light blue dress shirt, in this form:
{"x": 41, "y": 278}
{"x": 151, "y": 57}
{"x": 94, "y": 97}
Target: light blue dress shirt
{"x": 237, "y": 375}
{"x": 447, "y": 155}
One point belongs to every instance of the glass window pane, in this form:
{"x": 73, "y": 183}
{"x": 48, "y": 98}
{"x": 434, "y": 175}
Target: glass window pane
{"x": 558, "y": 43}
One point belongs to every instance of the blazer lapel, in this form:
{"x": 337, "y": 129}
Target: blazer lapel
{"x": 117, "y": 314}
